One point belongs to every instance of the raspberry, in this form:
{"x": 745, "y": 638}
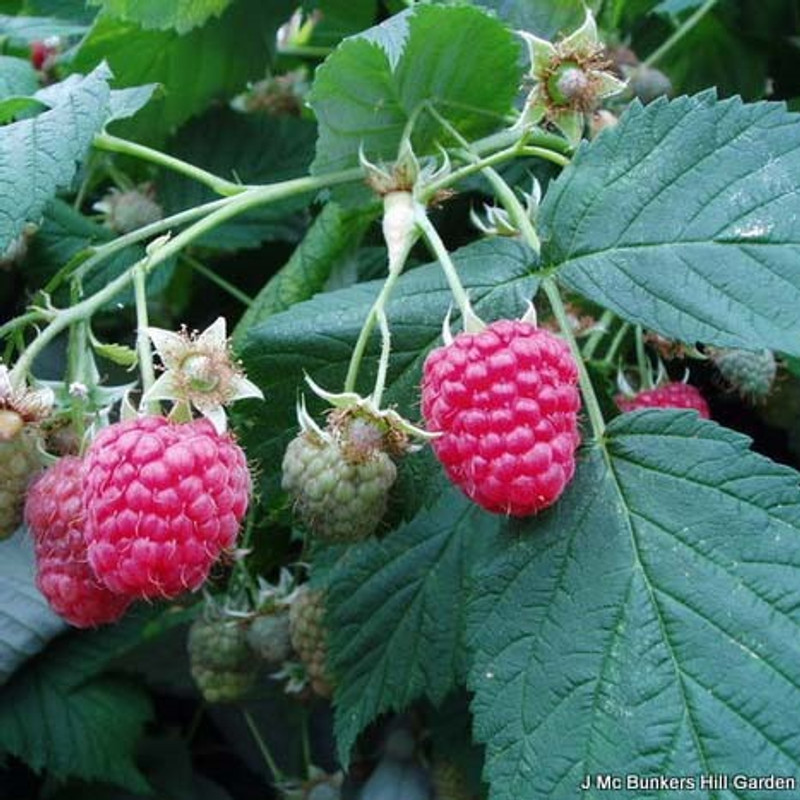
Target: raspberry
{"x": 163, "y": 501}
{"x": 750, "y": 373}
{"x": 506, "y": 403}
{"x": 130, "y": 210}
{"x": 339, "y": 481}
{"x": 306, "y": 626}
{"x": 670, "y": 395}
{"x": 18, "y": 464}
{"x": 55, "y": 517}
{"x": 220, "y": 659}
{"x": 269, "y": 637}
{"x": 448, "y": 782}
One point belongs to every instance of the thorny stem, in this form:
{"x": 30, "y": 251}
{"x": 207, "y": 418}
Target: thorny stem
{"x": 228, "y": 208}
{"x": 143, "y": 348}
{"x": 113, "y": 144}
{"x": 262, "y": 746}
{"x": 601, "y": 329}
{"x": 688, "y": 24}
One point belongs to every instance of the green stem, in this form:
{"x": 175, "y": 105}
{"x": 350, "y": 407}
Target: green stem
{"x": 369, "y": 325}
{"x": 212, "y": 276}
{"x": 228, "y": 208}
{"x": 113, "y": 144}
{"x": 143, "y": 347}
{"x": 470, "y": 320}
{"x": 383, "y": 362}
{"x": 601, "y": 329}
{"x": 547, "y": 155}
{"x": 430, "y": 189}
{"x": 35, "y": 315}
{"x": 517, "y": 212}
{"x": 262, "y": 746}
{"x": 688, "y": 24}
{"x": 305, "y": 51}
{"x": 589, "y": 397}
{"x": 616, "y": 343}
{"x": 510, "y": 136}
{"x": 504, "y": 192}
{"x": 642, "y": 362}
{"x": 108, "y": 249}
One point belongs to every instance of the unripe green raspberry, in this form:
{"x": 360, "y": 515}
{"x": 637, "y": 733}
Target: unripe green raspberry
{"x": 269, "y": 638}
{"x": 130, "y": 210}
{"x": 340, "y": 491}
{"x": 18, "y": 464}
{"x": 750, "y": 373}
{"x": 221, "y": 661}
{"x": 309, "y": 638}
{"x": 569, "y": 85}
{"x": 648, "y": 83}
{"x": 448, "y": 782}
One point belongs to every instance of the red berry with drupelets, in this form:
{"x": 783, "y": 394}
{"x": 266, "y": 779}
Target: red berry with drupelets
{"x": 163, "y": 501}
{"x": 669, "y": 395}
{"x": 55, "y": 517}
{"x": 505, "y": 403}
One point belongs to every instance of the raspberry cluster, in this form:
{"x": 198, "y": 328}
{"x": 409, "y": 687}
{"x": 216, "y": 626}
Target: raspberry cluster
{"x": 506, "y": 403}
{"x": 145, "y": 514}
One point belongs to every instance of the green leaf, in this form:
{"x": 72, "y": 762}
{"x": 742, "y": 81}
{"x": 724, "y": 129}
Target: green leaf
{"x": 180, "y": 15}
{"x": 682, "y": 218}
{"x": 250, "y": 149}
{"x": 235, "y": 48}
{"x": 21, "y": 31}
{"x": 648, "y": 623}
{"x": 396, "y": 613}
{"x": 72, "y": 10}
{"x": 26, "y": 621}
{"x": 17, "y": 77}
{"x": 14, "y": 107}
{"x": 546, "y": 18}
{"x": 317, "y": 337}
{"x": 333, "y": 236}
{"x": 37, "y": 156}
{"x": 459, "y": 59}
{"x": 340, "y": 18}
{"x": 62, "y": 714}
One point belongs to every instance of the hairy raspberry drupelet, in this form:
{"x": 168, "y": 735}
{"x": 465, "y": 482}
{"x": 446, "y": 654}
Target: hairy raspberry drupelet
{"x": 506, "y": 403}
{"x": 670, "y": 395}
{"x": 163, "y": 501}
{"x": 55, "y": 517}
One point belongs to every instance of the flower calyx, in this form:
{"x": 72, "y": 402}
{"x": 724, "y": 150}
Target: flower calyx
{"x": 199, "y": 372}
{"x": 570, "y": 78}
{"x": 21, "y": 406}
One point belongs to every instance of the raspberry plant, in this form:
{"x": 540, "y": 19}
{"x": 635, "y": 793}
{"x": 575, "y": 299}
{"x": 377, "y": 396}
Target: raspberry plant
{"x": 468, "y": 490}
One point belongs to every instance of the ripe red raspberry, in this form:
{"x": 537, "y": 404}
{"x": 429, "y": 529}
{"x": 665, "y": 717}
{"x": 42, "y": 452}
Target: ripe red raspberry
{"x": 670, "y": 395}
{"x": 506, "y": 403}
{"x": 55, "y": 517}
{"x": 163, "y": 501}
